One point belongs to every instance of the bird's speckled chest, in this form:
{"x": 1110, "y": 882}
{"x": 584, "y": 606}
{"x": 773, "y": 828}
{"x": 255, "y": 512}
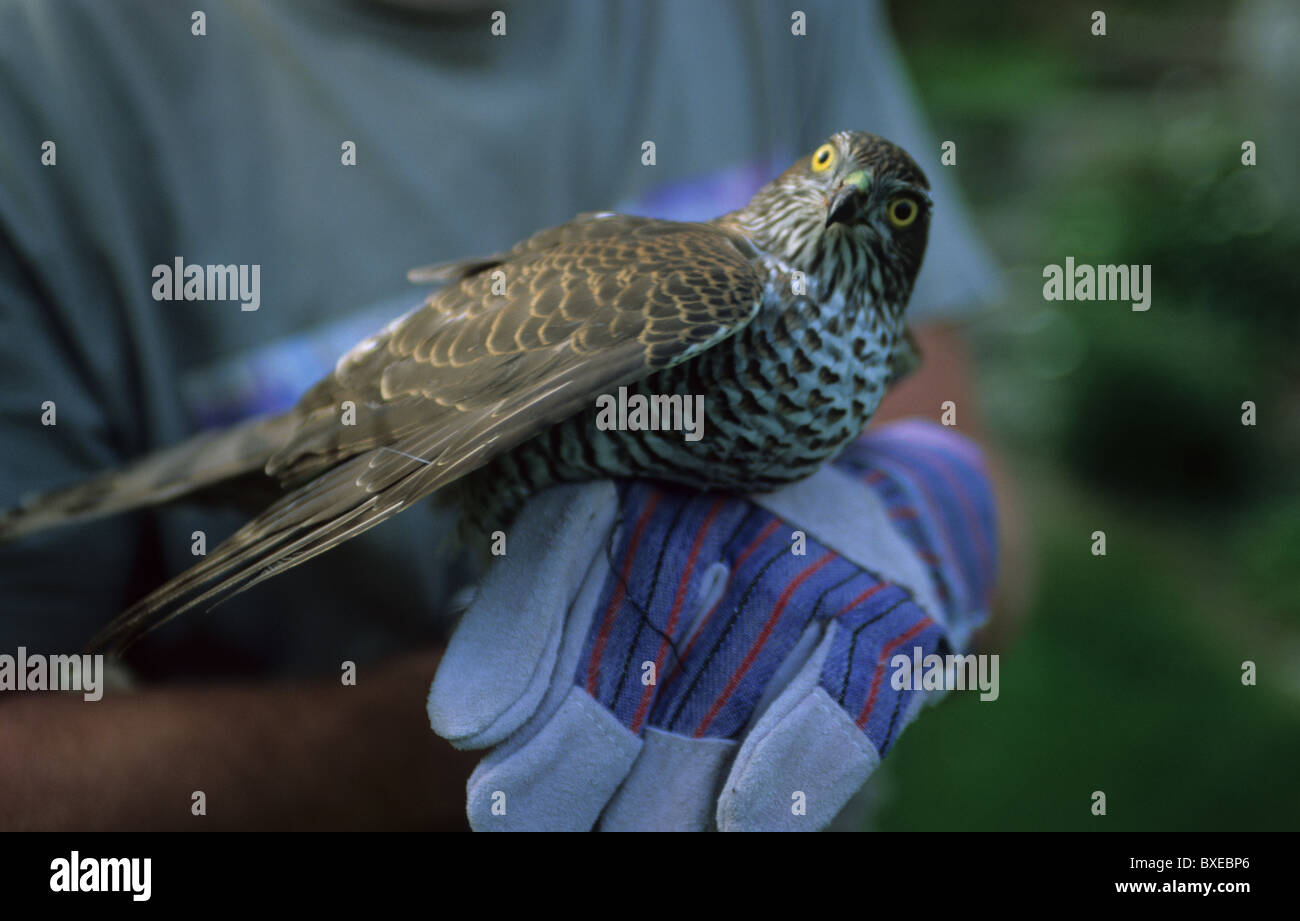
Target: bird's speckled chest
{"x": 780, "y": 397}
{"x": 797, "y": 383}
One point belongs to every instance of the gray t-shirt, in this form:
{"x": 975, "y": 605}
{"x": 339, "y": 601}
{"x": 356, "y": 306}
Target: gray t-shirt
{"x": 227, "y": 148}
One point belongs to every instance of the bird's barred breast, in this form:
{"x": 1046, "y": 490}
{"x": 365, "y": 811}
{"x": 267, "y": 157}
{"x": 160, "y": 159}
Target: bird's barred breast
{"x": 786, "y": 393}
{"x": 779, "y": 398}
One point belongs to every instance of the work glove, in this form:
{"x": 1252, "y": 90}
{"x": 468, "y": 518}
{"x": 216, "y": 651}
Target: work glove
{"x": 647, "y": 657}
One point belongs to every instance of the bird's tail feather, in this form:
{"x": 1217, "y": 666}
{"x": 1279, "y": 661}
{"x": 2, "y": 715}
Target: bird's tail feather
{"x": 191, "y": 466}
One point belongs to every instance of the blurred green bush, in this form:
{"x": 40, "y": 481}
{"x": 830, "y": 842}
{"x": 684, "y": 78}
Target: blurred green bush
{"x": 1127, "y": 676}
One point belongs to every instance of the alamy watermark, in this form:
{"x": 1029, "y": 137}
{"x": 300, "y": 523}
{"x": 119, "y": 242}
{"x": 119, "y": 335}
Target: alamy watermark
{"x": 655, "y": 413}
{"x": 1098, "y": 283}
{"x": 38, "y": 672}
{"x": 933, "y": 672}
{"x": 193, "y": 282}
{"x": 75, "y": 873}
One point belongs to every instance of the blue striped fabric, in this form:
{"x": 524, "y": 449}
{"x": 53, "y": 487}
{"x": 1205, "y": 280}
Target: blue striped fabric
{"x": 936, "y": 486}
{"x": 713, "y": 659}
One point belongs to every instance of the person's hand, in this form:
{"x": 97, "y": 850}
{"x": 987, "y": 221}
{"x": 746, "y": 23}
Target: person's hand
{"x": 648, "y": 657}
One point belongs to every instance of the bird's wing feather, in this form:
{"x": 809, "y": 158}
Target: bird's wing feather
{"x": 471, "y": 375}
{"x": 589, "y": 225}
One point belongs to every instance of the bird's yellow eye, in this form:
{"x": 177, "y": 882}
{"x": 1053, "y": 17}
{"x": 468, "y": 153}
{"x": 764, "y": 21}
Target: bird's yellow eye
{"x": 903, "y": 211}
{"x": 822, "y": 158}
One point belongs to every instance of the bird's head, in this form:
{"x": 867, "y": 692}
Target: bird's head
{"x": 854, "y": 215}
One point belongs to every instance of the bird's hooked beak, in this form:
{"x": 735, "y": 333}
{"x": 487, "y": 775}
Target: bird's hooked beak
{"x": 844, "y": 204}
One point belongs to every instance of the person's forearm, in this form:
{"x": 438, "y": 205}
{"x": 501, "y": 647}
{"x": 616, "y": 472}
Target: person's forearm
{"x": 292, "y": 755}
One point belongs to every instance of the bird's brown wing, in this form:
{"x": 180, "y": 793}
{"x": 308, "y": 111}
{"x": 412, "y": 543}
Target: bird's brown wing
{"x": 589, "y": 225}
{"x": 472, "y": 374}
{"x": 599, "y": 278}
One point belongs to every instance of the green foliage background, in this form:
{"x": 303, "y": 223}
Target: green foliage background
{"x": 1126, "y": 675}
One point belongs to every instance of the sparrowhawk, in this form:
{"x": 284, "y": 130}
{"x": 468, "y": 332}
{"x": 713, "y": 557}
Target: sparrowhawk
{"x": 785, "y": 315}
